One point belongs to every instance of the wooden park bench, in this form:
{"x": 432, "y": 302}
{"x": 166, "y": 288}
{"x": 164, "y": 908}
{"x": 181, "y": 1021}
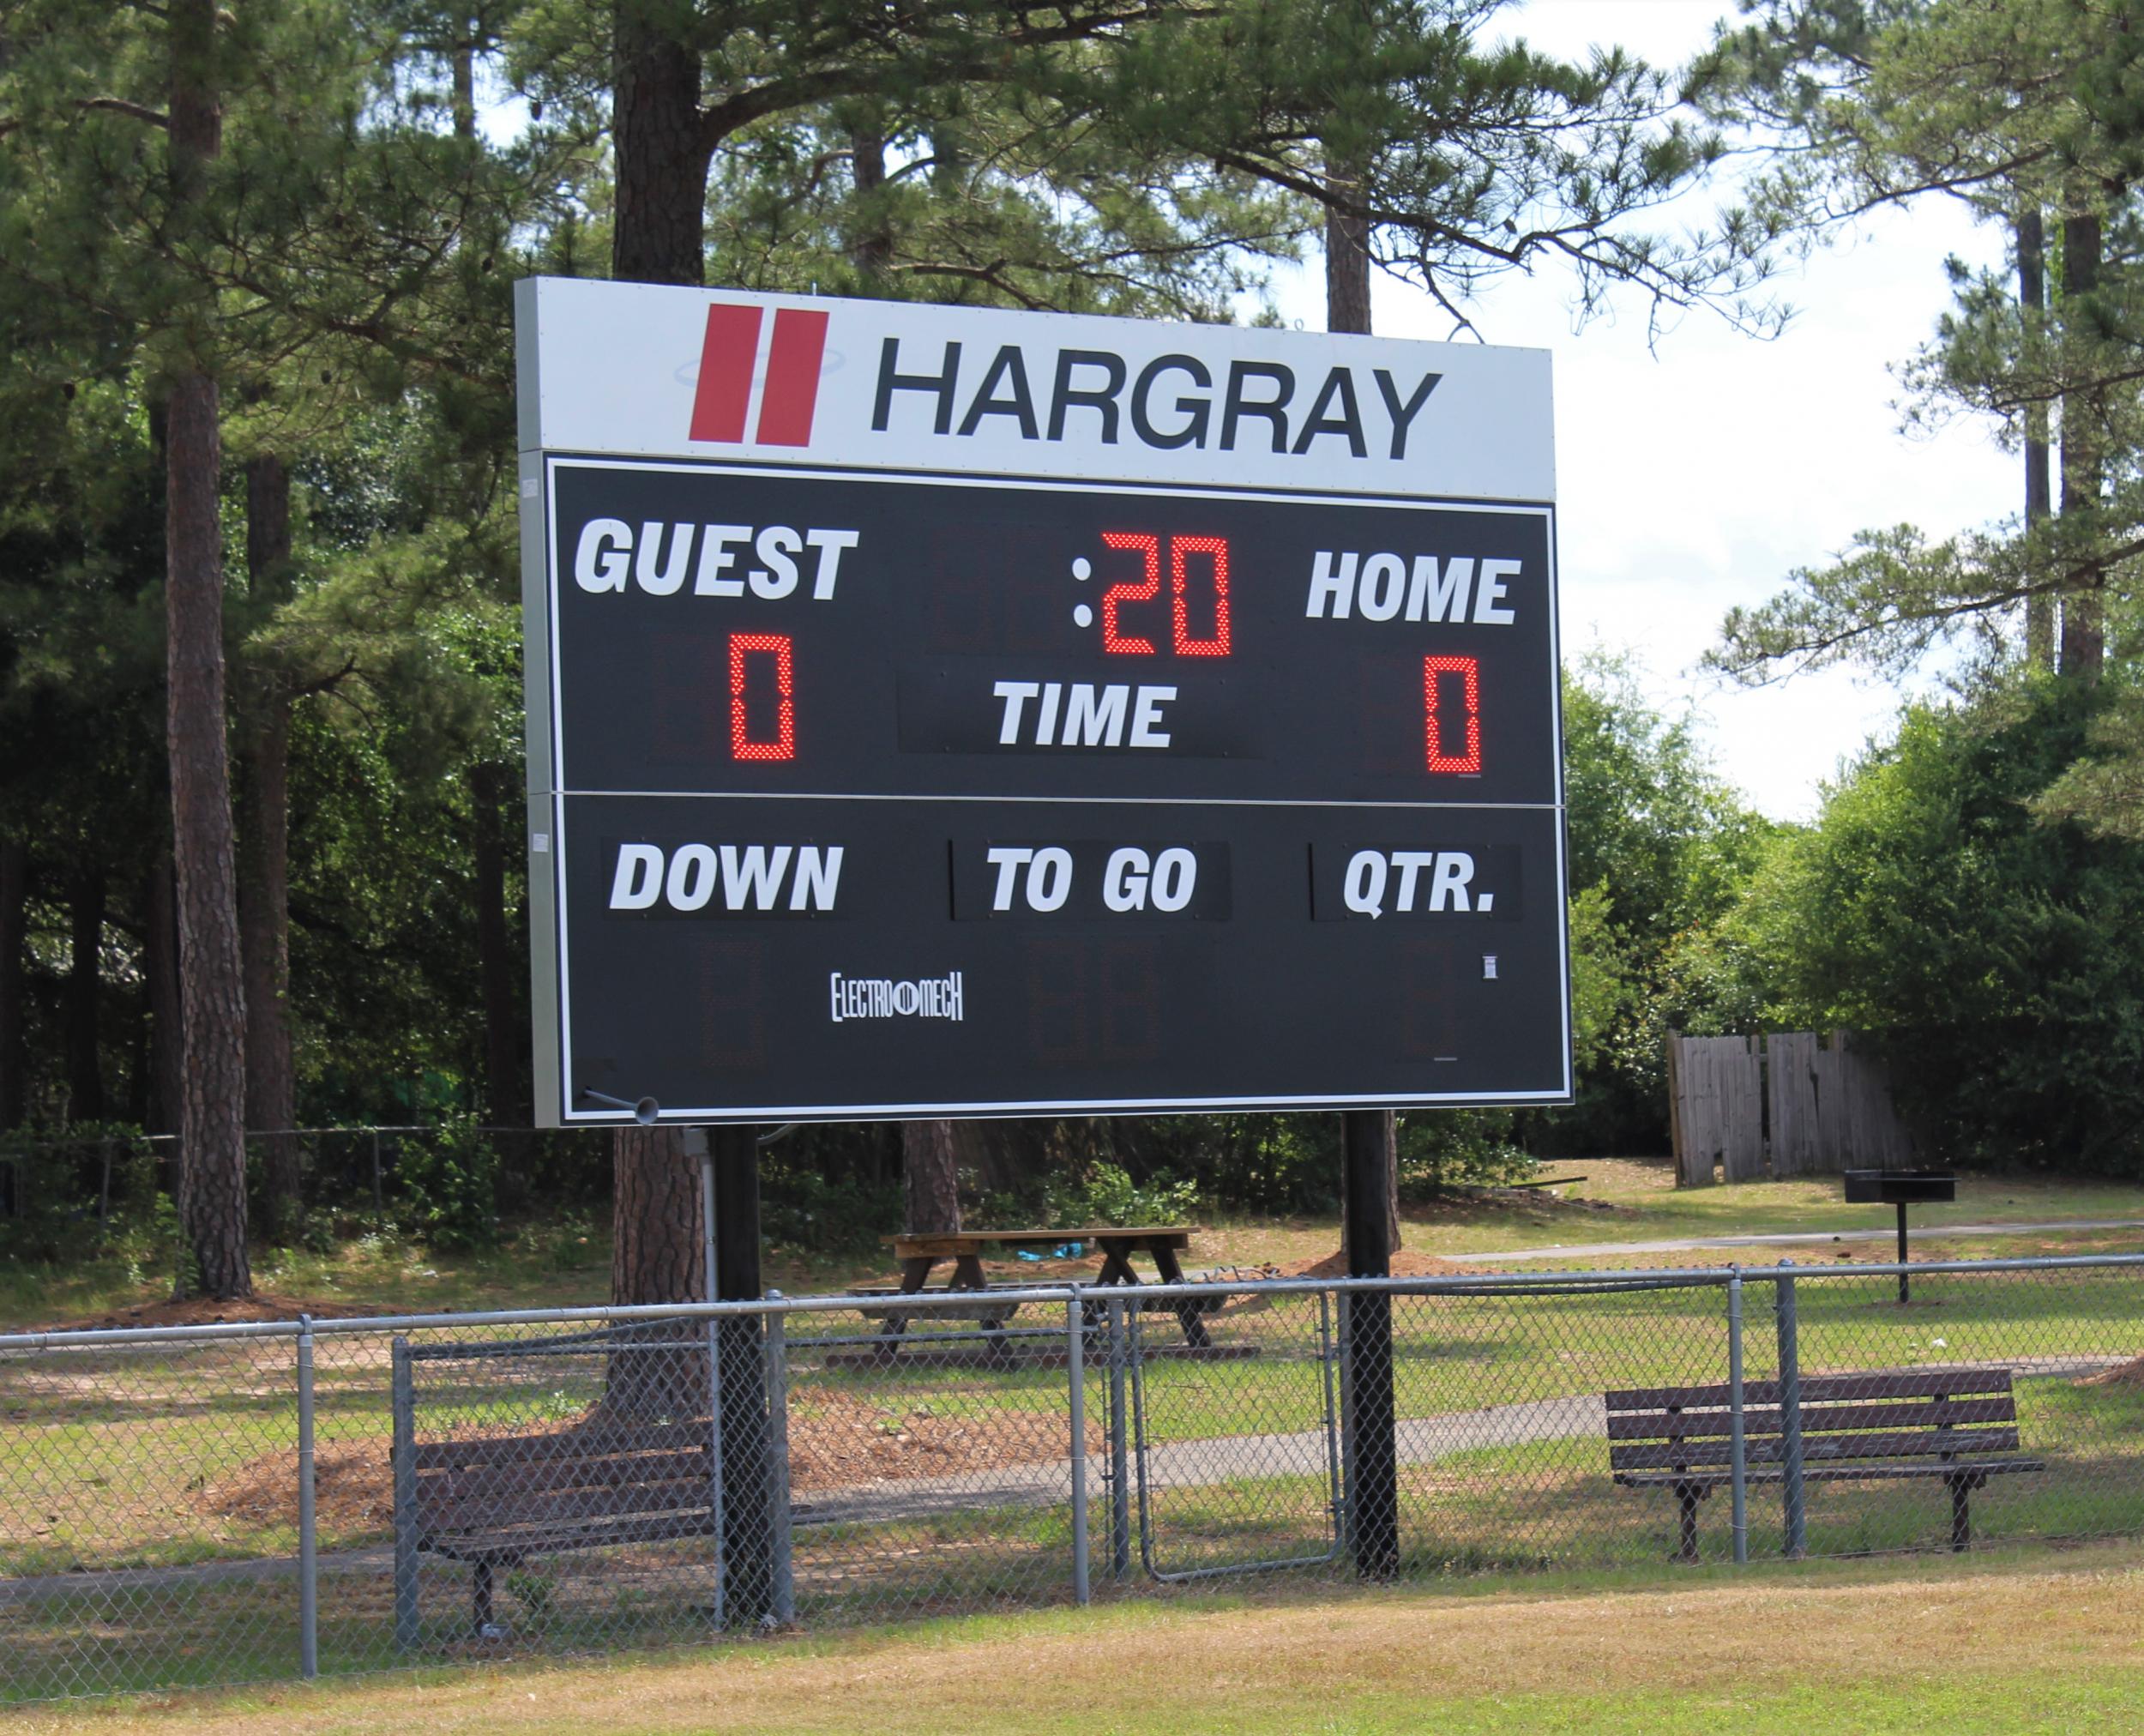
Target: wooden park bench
{"x": 1956, "y": 1427}
{"x": 497, "y": 1500}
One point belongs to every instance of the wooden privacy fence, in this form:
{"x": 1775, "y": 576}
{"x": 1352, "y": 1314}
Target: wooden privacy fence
{"x": 1809, "y": 1109}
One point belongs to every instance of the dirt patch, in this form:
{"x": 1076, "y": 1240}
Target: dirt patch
{"x": 2129, "y": 1373}
{"x": 200, "y": 1311}
{"x": 835, "y": 1440}
{"x": 354, "y": 1490}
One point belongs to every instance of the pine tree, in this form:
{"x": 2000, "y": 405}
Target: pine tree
{"x": 2005, "y": 105}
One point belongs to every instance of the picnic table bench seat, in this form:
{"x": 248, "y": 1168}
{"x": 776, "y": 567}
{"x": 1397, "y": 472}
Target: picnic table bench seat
{"x": 1955, "y": 1426}
{"x": 921, "y": 1252}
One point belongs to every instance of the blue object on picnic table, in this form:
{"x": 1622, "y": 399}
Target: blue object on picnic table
{"x": 1063, "y": 1250}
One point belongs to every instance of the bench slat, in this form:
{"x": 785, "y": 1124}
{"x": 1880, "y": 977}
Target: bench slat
{"x": 563, "y": 1506}
{"x": 1654, "y": 1426}
{"x": 1821, "y": 1449}
{"x": 508, "y": 1545}
{"x": 1827, "y": 1473}
{"x": 1919, "y": 1383}
{"x": 570, "y": 1444}
{"x": 499, "y": 1480}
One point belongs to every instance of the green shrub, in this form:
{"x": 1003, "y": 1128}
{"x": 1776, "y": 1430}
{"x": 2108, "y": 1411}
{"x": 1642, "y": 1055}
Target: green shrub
{"x": 803, "y": 1208}
{"x": 54, "y": 1183}
{"x": 1108, "y": 1195}
{"x": 448, "y": 1181}
{"x": 1441, "y": 1149}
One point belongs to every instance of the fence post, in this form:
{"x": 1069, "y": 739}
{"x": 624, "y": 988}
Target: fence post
{"x": 1076, "y": 1382}
{"x": 1737, "y": 1452}
{"x": 1119, "y": 1450}
{"x": 714, "y": 1469}
{"x": 1329, "y": 1357}
{"x": 405, "y": 1402}
{"x": 379, "y": 1198}
{"x": 308, "y": 1533}
{"x": 1790, "y": 1418}
{"x": 1344, "y": 1355}
{"x": 782, "y": 1563}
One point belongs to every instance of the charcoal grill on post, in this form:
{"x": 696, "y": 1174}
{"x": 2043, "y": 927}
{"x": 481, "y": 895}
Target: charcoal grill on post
{"x": 1900, "y": 1188}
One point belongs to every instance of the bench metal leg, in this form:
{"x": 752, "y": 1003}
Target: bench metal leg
{"x": 480, "y": 1597}
{"x": 1689, "y": 1495}
{"x": 1961, "y": 1489}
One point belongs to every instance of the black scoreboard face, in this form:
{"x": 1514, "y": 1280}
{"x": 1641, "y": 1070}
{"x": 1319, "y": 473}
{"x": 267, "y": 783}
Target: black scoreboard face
{"x": 876, "y": 794}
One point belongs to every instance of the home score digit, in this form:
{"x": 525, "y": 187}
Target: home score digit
{"x": 944, "y": 712}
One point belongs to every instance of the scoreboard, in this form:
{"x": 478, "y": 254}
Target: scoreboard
{"x": 949, "y": 712}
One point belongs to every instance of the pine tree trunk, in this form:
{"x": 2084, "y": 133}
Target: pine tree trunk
{"x": 1346, "y": 259}
{"x": 2032, "y": 295}
{"x": 657, "y": 140}
{"x": 930, "y": 1177}
{"x": 2083, "y": 458}
{"x": 464, "y": 53}
{"x": 872, "y": 250}
{"x": 211, "y": 1200}
{"x": 86, "y": 936}
{"x": 656, "y": 1254}
{"x": 15, "y": 912}
{"x": 212, "y": 1118}
{"x": 271, "y": 1083}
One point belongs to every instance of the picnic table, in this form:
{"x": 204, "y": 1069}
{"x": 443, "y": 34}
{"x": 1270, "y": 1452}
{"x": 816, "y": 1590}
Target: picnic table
{"x": 923, "y": 1254}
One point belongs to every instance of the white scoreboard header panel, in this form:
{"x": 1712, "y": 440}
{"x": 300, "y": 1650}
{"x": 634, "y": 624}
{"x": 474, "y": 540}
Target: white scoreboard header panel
{"x": 640, "y": 371}
{"x": 947, "y": 711}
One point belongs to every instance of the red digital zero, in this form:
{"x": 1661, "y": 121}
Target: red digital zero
{"x": 743, "y": 646}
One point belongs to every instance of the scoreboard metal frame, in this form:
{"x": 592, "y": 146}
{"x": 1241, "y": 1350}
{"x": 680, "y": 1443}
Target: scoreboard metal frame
{"x": 890, "y": 762}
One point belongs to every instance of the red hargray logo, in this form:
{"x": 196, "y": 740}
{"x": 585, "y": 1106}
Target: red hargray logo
{"x": 722, "y": 402}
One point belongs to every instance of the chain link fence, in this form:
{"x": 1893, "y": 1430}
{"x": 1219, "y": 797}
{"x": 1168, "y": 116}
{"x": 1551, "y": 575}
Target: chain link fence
{"x": 194, "y": 1506}
{"x": 363, "y": 1170}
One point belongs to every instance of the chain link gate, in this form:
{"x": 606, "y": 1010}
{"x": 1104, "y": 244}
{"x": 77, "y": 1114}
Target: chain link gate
{"x": 1236, "y": 1445}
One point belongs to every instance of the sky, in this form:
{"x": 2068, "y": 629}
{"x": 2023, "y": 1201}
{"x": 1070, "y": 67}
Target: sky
{"x": 1697, "y": 474}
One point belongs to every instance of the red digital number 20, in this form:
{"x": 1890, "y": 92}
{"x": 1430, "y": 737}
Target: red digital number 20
{"x": 1118, "y": 643}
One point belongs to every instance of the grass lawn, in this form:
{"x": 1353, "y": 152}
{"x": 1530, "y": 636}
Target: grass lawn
{"x": 2022, "y": 1642}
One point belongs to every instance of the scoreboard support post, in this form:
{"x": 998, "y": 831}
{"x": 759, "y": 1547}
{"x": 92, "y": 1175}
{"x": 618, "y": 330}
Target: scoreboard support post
{"x": 748, "y": 1521}
{"x": 1372, "y": 1472}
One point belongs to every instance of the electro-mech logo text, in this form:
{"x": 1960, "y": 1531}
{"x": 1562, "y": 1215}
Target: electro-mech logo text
{"x": 881, "y": 997}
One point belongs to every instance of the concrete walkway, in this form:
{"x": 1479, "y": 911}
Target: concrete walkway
{"x": 1786, "y": 1239}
